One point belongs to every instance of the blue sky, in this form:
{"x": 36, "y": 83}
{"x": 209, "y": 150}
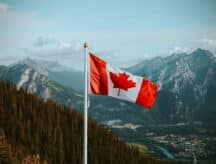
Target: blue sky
{"x": 122, "y": 32}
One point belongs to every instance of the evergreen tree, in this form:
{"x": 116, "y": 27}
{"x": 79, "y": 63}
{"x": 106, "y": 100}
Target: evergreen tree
{"x": 55, "y": 133}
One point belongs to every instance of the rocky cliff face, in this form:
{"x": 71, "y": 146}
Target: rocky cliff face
{"x": 187, "y": 80}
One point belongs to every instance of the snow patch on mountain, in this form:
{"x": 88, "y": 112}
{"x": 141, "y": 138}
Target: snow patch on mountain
{"x": 182, "y": 75}
{"x": 182, "y": 69}
{"x": 24, "y": 77}
{"x": 175, "y": 88}
{"x": 34, "y": 76}
{"x": 46, "y": 94}
{"x": 161, "y": 77}
{"x": 32, "y": 88}
{"x": 43, "y": 79}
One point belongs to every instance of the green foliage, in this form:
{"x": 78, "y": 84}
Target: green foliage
{"x": 56, "y": 133}
{"x": 141, "y": 148}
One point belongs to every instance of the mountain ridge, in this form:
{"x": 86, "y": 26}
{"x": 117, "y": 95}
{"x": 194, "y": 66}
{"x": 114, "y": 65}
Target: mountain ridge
{"x": 24, "y": 76}
{"x": 64, "y": 75}
{"x": 187, "y": 84}
{"x": 188, "y": 76}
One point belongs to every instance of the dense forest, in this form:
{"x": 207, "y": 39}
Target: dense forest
{"x": 35, "y": 130}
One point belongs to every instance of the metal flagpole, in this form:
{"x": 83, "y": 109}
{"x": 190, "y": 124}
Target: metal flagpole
{"x": 85, "y": 147}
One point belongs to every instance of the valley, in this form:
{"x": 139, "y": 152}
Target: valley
{"x": 180, "y": 143}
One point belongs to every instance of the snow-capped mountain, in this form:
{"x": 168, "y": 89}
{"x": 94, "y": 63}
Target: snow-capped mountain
{"x": 27, "y": 77}
{"x": 39, "y": 80}
{"x": 64, "y": 75}
{"x": 188, "y": 80}
{"x": 27, "y": 74}
{"x": 187, "y": 89}
{"x": 42, "y": 66}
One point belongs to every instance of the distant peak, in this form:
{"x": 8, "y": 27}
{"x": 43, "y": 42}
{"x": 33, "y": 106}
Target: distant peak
{"x": 27, "y": 61}
{"x": 200, "y": 50}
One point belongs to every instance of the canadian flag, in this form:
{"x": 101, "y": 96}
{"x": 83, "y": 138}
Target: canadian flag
{"x": 110, "y": 81}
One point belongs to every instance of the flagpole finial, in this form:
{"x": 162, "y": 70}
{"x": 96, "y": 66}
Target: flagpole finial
{"x": 85, "y": 45}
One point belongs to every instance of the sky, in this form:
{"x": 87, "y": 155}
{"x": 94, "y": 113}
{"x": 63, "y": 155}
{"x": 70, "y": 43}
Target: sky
{"x": 123, "y": 32}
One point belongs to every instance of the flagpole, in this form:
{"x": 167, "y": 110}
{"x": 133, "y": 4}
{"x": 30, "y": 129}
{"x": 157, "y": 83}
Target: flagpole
{"x": 85, "y": 147}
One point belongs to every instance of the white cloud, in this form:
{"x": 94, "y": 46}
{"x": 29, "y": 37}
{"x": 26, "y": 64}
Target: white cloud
{"x": 67, "y": 53}
{"x": 3, "y": 7}
{"x": 209, "y": 44}
{"x": 179, "y": 49}
{"x": 77, "y": 46}
{"x": 70, "y": 52}
{"x": 42, "y": 42}
{"x": 204, "y": 43}
{"x": 5, "y": 60}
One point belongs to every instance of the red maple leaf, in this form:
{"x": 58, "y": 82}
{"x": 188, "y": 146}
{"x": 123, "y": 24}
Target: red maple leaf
{"x": 120, "y": 80}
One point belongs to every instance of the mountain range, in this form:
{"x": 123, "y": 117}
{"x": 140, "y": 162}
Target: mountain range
{"x": 66, "y": 76}
{"x": 187, "y": 89}
{"x": 35, "y": 79}
{"x": 187, "y": 85}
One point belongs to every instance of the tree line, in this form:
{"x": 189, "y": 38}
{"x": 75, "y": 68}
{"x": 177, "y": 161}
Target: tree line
{"x": 34, "y": 126}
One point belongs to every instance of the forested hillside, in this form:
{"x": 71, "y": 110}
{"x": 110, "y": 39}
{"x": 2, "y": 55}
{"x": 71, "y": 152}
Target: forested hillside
{"x": 33, "y": 126}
